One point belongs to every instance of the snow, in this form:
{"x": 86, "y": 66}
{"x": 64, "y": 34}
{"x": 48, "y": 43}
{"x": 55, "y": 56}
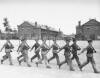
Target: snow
{"x": 23, "y": 71}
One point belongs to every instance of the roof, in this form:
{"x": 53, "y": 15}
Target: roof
{"x": 38, "y": 26}
{"x": 92, "y": 22}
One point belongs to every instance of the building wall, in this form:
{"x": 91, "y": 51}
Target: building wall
{"x": 34, "y": 32}
{"x": 88, "y": 31}
{"x": 91, "y": 31}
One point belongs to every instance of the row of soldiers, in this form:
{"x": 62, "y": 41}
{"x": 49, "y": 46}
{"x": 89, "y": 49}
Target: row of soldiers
{"x": 69, "y": 50}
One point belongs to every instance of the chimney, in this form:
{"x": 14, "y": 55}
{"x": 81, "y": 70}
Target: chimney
{"x": 79, "y": 23}
{"x": 36, "y": 23}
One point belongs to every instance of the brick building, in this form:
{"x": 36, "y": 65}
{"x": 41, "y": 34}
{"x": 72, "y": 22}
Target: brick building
{"x": 90, "y": 29}
{"x": 34, "y": 31}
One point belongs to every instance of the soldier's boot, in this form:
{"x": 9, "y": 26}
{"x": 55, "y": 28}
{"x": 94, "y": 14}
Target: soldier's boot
{"x": 31, "y": 59}
{"x": 11, "y": 64}
{"x": 59, "y": 65}
{"x": 72, "y": 69}
{"x": 80, "y": 67}
{"x": 1, "y": 61}
{"x": 48, "y": 67}
{"x": 96, "y": 71}
{"x": 58, "y": 62}
{"x": 36, "y": 64}
{"x": 18, "y": 59}
{"x": 70, "y": 65}
{"x": 19, "y": 62}
{"x": 94, "y": 68}
{"x": 28, "y": 65}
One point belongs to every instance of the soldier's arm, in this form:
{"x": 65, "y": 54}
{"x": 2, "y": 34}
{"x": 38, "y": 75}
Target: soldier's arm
{"x": 78, "y": 48}
{"x": 32, "y": 47}
{"x": 83, "y": 51}
{"x": 58, "y": 46}
{"x": 61, "y": 49}
{"x": 27, "y": 45}
{"x": 94, "y": 50}
{"x": 19, "y": 47}
{"x": 47, "y": 46}
{"x": 38, "y": 48}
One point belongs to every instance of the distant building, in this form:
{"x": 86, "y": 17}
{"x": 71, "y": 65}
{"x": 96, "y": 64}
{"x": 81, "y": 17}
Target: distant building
{"x": 36, "y": 31}
{"x": 90, "y": 29}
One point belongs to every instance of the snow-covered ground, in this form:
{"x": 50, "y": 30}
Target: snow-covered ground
{"x": 23, "y": 71}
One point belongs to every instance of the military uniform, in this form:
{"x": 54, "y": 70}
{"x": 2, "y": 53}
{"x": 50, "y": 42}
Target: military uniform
{"x": 24, "y": 50}
{"x": 55, "y": 55}
{"x": 90, "y": 59}
{"x": 75, "y": 48}
{"x": 67, "y": 57}
{"x": 44, "y": 50}
{"x": 8, "y": 49}
{"x": 36, "y": 45}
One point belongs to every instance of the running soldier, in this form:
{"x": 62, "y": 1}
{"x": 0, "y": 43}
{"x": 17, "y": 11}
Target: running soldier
{"x": 36, "y": 45}
{"x": 90, "y": 50}
{"x": 8, "y": 49}
{"x": 44, "y": 50}
{"x": 67, "y": 54}
{"x": 20, "y": 50}
{"x": 55, "y": 47}
{"x": 23, "y": 48}
{"x": 75, "y": 48}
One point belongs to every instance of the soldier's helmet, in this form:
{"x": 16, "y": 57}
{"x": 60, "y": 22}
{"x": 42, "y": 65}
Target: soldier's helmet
{"x": 36, "y": 40}
{"x": 54, "y": 39}
{"x": 7, "y": 38}
{"x": 74, "y": 39}
{"x": 89, "y": 40}
{"x": 23, "y": 39}
{"x": 66, "y": 39}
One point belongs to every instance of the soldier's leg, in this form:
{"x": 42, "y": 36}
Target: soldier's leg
{"x": 40, "y": 60}
{"x": 77, "y": 60}
{"x": 51, "y": 58}
{"x": 57, "y": 58}
{"x": 10, "y": 58}
{"x": 23, "y": 59}
{"x": 46, "y": 62}
{"x": 19, "y": 57}
{"x": 38, "y": 56}
{"x": 5, "y": 57}
{"x": 85, "y": 63}
{"x": 69, "y": 61}
{"x": 26, "y": 58}
{"x": 94, "y": 65}
{"x": 73, "y": 57}
{"x": 33, "y": 57}
{"x": 63, "y": 62}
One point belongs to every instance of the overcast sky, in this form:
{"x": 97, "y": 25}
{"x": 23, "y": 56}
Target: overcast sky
{"x": 63, "y": 14}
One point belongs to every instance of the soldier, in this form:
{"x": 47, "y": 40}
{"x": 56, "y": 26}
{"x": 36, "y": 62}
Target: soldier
{"x": 36, "y": 45}
{"x": 20, "y": 50}
{"x": 8, "y": 49}
{"x": 67, "y": 54}
{"x": 44, "y": 50}
{"x": 55, "y": 48}
{"x": 24, "y": 47}
{"x": 90, "y": 50}
{"x": 75, "y": 48}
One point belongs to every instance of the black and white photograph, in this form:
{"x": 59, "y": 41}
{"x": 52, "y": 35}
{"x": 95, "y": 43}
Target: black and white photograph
{"x": 49, "y": 38}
